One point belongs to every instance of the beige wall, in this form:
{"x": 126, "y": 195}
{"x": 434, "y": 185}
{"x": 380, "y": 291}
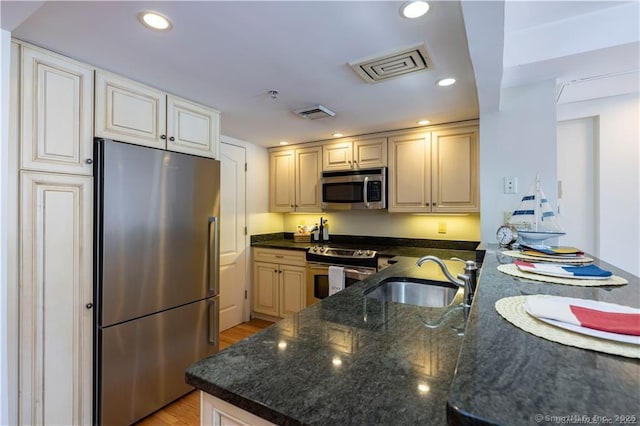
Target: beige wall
{"x": 618, "y": 187}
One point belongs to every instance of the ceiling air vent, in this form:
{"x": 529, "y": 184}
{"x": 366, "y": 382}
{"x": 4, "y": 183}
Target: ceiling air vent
{"x": 315, "y": 111}
{"x": 392, "y": 65}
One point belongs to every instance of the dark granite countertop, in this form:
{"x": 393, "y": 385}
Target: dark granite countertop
{"x": 510, "y": 377}
{"x": 385, "y": 358}
{"x": 346, "y": 360}
{"x": 386, "y": 247}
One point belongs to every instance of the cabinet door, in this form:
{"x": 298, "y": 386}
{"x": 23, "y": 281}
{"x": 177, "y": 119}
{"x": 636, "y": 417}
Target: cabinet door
{"x": 55, "y": 331}
{"x": 410, "y": 173}
{"x": 455, "y": 170}
{"x": 57, "y": 113}
{"x": 130, "y": 112}
{"x": 307, "y": 182}
{"x": 192, "y": 128}
{"x": 282, "y": 181}
{"x": 265, "y": 288}
{"x": 292, "y": 289}
{"x": 337, "y": 156}
{"x": 370, "y": 153}
{"x": 216, "y": 412}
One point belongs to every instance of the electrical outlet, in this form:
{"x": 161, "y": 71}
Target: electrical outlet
{"x": 510, "y": 185}
{"x": 442, "y": 227}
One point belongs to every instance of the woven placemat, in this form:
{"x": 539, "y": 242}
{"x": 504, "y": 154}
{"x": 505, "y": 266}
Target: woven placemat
{"x": 519, "y": 255}
{"x": 511, "y": 269}
{"x": 512, "y": 309}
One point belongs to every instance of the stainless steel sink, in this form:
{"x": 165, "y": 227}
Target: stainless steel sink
{"x": 413, "y": 291}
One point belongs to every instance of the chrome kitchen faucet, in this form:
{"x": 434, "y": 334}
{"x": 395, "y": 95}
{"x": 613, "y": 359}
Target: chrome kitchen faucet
{"x": 468, "y": 280}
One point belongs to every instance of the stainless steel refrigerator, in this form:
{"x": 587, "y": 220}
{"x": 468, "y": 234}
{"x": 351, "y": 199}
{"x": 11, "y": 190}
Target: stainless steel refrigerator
{"x": 157, "y": 269}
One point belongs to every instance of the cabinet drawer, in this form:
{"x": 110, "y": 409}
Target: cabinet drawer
{"x": 288, "y": 257}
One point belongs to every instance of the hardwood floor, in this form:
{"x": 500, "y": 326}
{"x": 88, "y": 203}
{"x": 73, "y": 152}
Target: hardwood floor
{"x": 186, "y": 410}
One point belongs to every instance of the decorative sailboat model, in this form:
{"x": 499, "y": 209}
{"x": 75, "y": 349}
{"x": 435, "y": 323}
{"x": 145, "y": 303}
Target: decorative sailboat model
{"x": 534, "y": 219}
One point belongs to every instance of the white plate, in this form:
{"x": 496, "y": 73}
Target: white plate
{"x": 624, "y": 338}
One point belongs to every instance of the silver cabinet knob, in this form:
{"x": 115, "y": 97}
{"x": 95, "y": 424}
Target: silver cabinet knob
{"x": 163, "y": 137}
{"x": 88, "y": 161}
{"x": 89, "y": 305}
{"x": 172, "y": 139}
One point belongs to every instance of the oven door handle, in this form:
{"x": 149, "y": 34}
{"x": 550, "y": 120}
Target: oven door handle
{"x": 358, "y": 271}
{"x": 317, "y": 267}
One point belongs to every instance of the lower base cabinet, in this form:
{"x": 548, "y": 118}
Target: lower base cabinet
{"x": 214, "y": 411}
{"x": 279, "y": 278}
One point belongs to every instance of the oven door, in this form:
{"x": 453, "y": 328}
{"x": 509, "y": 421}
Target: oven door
{"x": 318, "y": 279}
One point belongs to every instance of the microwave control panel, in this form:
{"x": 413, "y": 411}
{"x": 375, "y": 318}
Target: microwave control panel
{"x": 374, "y": 191}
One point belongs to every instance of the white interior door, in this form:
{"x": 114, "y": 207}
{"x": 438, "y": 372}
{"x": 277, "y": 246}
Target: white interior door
{"x": 233, "y": 256}
{"x": 578, "y": 180}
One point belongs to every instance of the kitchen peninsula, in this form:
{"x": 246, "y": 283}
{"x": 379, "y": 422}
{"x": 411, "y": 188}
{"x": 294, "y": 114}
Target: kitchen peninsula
{"x": 354, "y": 360}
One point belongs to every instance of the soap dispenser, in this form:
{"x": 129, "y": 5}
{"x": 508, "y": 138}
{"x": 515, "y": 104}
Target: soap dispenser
{"x": 325, "y": 230}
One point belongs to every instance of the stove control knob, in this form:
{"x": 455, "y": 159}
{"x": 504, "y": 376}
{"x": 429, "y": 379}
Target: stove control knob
{"x": 315, "y": 249}
{"x": 368, "y": 253}
{"x": 359, "y": 252}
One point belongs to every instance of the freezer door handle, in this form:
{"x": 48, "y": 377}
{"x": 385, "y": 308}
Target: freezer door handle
{"x": 213, "y": 329}
{"x": 213, "y": 281}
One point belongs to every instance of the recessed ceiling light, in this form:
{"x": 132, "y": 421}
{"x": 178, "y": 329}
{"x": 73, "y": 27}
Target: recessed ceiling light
{"x": 414, "y": 9}
{"x": 337, "y": 135}
{"x": 446, "y": 82}
{"x": 155, "y": 21}
{"x": 423, "y": 122}
{"x": 284, "y": 143}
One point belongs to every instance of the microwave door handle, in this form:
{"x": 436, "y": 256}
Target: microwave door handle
{"x": 364, "y": 191}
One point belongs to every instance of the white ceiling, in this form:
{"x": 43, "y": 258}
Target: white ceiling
{"x": 228, "y": 55}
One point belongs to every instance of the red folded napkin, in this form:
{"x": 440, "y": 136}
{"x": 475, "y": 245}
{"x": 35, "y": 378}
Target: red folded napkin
{"x": 589, "y": 314}
{"x": 613, "y": 322}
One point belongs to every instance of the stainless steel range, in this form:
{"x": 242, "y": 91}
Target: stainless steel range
{"x": 358, "y": 264}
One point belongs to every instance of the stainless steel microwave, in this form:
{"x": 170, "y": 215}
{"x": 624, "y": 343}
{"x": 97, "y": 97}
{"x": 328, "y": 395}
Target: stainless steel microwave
{"x": 355, "y": 189}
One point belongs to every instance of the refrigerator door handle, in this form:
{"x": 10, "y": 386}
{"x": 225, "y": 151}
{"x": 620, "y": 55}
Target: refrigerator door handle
{"x": 213, "y": 284}
{"x": 213, "y": 329}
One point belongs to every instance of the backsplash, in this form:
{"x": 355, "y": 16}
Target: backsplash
{"x": 398, "y": 225}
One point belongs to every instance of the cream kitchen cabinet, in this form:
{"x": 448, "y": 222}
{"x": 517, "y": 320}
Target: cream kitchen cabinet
{"x": 51, "y": 188}
{"x": 279, "y": 278}
{"x": 56, "y": 296}
{"x": 434, "y": 171}
{"x": 132, "y": 112}
{"x": 57, "y": 113}
{"x": 294, "y": 180}
{"x": 216, "y": 412}
{"x": 351, "y": 154}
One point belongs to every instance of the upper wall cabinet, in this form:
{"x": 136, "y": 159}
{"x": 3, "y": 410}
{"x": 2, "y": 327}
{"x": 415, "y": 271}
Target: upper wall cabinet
{"x": 434, "y": 172}
{"x": 294, "y": 180}
{"x": 132, "y": 112}
{"x": 192, "y": 128}
{"x": 355, "y": 154}
{"x": 455, "y": 185}
{"x": 57, "y": 113}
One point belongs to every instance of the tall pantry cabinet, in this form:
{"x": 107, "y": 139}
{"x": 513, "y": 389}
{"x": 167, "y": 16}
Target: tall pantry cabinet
{"x": 53, "y": 99}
